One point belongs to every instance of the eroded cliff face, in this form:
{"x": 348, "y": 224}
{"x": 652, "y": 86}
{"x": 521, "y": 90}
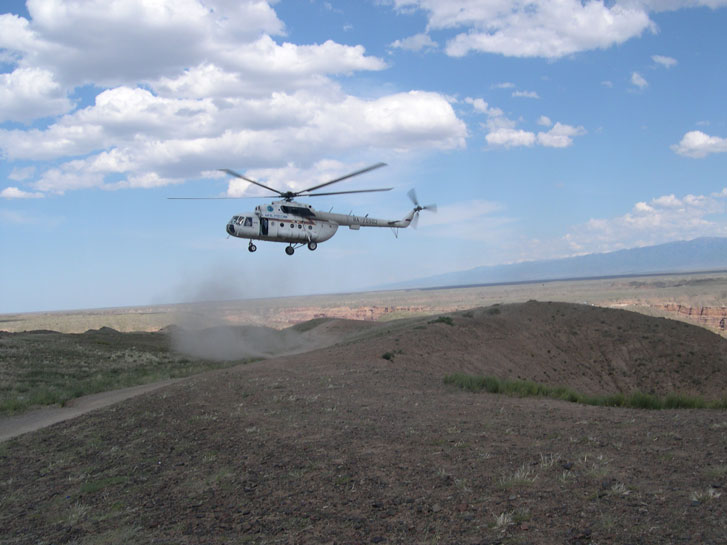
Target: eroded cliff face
{"x": 714, "y": 318}
{"x": 374, "y": 313}
{"x": 696, "y": 299}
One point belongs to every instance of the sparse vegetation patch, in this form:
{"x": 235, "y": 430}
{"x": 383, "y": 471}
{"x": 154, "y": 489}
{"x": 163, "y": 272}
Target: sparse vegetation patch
{"x": 49, "y": 368}
{"x": 529, "y": 388}
{"x": 442, "y": 320}
{"x": 389, "y": 356}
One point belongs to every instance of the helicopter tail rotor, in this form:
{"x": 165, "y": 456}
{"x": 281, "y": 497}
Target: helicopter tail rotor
{"x": 418, "y": 208}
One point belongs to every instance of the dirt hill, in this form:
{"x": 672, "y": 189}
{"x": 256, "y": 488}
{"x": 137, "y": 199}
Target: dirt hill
{"x": 590, "y": 349}
{"x": 342, "y": 445}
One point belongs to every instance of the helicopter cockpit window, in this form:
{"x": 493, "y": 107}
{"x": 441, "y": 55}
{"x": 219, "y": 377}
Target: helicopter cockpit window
{"x": 248, "y": 222}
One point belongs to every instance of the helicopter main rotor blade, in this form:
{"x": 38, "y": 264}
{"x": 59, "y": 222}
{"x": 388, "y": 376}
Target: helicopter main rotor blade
{"x": 238, "y": 175}
{"x": 210, "y": 198}
{"x": 345, "y": 192}
{"x": 347, "y": 176}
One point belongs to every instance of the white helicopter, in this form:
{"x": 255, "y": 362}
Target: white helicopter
{"x": 299, "y": 224}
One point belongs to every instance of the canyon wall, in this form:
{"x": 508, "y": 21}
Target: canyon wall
{"x": 714, "y": 318}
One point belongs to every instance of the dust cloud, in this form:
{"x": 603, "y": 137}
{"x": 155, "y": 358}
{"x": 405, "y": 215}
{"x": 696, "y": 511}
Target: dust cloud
{"x": 207, "y": 324}
{"x": 228, "y": 343}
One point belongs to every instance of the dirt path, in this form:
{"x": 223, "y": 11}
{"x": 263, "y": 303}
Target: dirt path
{"x": 13, "y": 426}
{"x": 295, "y": 343}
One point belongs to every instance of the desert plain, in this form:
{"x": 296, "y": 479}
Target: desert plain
{"x": 327, "y": 419}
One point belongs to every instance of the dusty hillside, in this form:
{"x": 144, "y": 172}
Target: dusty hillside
{"x": 340, "y": 445}
{"x": 590, "y": 349}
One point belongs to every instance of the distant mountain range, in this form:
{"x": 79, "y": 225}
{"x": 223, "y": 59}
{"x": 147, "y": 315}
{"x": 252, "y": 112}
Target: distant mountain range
{"x": 700, "y": 254}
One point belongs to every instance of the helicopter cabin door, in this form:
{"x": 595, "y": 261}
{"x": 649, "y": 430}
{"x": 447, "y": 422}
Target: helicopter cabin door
{"x": 264, "y": 227}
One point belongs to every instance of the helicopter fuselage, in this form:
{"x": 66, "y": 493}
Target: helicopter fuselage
{"x": 298, "y": 223}
{"x": 281, "y": 222}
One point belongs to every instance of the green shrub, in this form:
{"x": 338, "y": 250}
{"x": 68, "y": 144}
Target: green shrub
{"x": 442, "y": 320}
{"x": 466, "y": 382}
{"x": 492, "y": 385}
{"x": 678, "y": 401}
{"x": 640, "y": 400}
{"x": 529, "y": 388}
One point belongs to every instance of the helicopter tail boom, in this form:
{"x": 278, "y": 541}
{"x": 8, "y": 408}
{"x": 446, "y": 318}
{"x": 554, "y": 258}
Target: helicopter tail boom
{"x": 356, "y": 222}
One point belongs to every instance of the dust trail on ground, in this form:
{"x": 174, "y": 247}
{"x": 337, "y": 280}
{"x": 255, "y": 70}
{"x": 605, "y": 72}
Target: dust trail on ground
{"x": 227, "y": 343}
{"x": 210, "y": 327}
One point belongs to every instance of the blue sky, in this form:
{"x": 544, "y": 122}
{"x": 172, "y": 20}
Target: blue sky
{"x": 541, "y": 129}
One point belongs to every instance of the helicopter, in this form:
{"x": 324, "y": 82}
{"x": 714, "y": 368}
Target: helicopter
{"x": 299, "y": 224}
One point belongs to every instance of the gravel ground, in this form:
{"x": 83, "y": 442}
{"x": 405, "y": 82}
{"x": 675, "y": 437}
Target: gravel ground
{"x": 340, "y": 445}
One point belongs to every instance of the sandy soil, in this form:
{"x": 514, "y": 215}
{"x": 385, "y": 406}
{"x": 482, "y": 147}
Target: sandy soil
{"x": 340, "y": 445}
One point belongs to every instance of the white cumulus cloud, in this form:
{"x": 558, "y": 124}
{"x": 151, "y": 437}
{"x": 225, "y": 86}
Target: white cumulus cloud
{"x": 15, "y": 193}
{"x": 525, "y": 94}
{"x": 19, "y": 174}
{"x": 503, "y": 132}
{"x": 418, "y": 42}
{"x": 664, "y": 218}
{"x": 112, "y": 42}
{"x": 638, "y": 80}
{"x": 697, "y": 144}
{"x": 666, "y": 62}
{"x": 545, "y": 121}
{"x": 483, "y": 107}
{"x": 31, "y": 93}
{"x": 542, "y": 28}
{"x": 156, "y": 140}
{"x": 508, "y": 138}
{"x": 185, "y": 85}
{"x": 560, "y": 135}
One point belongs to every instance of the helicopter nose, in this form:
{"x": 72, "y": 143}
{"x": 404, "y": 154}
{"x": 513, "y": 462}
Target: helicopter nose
{"x": 230, "y": 229}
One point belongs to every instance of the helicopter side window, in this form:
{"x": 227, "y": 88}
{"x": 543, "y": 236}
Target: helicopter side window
{"x": 248, "y": 222}
{"x": 297, "y": 210}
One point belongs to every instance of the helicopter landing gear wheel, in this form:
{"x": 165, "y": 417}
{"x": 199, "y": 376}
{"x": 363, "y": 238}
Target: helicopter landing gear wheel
{"x": 289, "y": 250}
{"x": 251, "y": 247}
{"x": 312, "y": 245}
